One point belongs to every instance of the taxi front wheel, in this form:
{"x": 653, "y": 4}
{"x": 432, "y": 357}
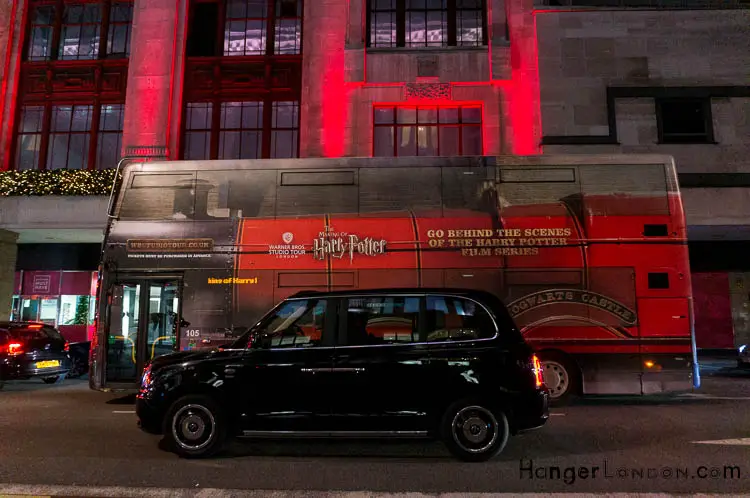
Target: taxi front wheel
{"x": 195, "y": 427}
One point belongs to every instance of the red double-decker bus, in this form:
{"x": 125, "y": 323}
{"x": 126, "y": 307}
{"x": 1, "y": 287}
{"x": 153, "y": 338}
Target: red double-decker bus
{"x": 589, "y": 253}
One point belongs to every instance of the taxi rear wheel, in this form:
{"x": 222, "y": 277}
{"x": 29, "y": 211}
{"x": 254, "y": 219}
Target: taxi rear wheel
{"x": 195, "y": 427}
{"x": 474, "y": 431}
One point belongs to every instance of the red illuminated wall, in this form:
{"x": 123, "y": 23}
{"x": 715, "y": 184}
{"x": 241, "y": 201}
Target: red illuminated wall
{"x": 713, "y": 311}
{"x": 523, "y": 93}
{"x": 324, "y": 92}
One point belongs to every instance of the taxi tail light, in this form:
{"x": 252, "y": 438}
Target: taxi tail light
{"x": 67, "y": 347}
{"x": 536, "y": 367}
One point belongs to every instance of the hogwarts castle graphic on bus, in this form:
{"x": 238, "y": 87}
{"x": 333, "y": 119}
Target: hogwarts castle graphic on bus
{"x": 560, "y": 245}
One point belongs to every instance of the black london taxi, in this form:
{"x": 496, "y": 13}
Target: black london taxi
{"x": 446, "y": 364}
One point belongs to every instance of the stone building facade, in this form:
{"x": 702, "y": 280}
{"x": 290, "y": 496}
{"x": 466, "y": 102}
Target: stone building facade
{"x": 665, "y": 81}
{"x": 86, "y": 83}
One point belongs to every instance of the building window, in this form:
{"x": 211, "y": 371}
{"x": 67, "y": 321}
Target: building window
{"x": 684, "y": 120}
{"x": 427, "y": 131}
{"x": 109, "y": 139}
{"x": 198, "y": 119}
{"x": 70, "y": 132}
{"x": 241, "y": 130}
{"x": 427, "y": 23}
{"x": 288, "y": 27}
{"x": 118, "y": 34}
{"x": 69, "y": 136}
{"x": 284, "y": 129}
{"x": 245, "y": 28}
{"x": 79, "y": 31}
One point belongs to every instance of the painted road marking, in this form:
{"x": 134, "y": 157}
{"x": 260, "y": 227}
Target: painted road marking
{"x": 557, "y": 414}
{"x": 123, "y": 411}
{"x": 126, "y": 492}
{"x": 745, "y": 441}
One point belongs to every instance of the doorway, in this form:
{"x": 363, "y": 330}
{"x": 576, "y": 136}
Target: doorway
{"x": 144, "y": 317}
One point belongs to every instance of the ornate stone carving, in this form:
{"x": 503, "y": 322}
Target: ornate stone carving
{"x": 44, "y": 80}
{"x": 428, "y": 91}
{"x": 224, "y": 78}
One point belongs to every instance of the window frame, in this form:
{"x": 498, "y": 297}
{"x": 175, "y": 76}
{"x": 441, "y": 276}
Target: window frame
{"x": 460, "y": 124}
{"x": 216, "y": 126}
{"x": 46, "y": 133}
{"x": 451, "y": 12}
{"x": 681, "y": 139}
{"x": 271, "y": 23}
{"x": 57, "y": 29}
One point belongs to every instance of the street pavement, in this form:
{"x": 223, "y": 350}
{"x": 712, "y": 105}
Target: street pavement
{"x": 66, "y": 440}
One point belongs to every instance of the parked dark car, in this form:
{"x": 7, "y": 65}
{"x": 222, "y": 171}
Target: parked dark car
{"x": 30, "y": 349}
{"x": 79, "y": 359}
{"x": 447, "y": 364}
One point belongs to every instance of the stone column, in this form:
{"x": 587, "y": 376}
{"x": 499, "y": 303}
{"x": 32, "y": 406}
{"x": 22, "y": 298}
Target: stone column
{"x": 324, "y": 97}
{"x": 523, "y": 92}
{"x": 151, "y": 74}
{"x": 8, "y": 254}
{"x": 11, "y": 23}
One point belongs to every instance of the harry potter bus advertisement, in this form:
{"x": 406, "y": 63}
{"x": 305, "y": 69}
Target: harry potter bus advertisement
{"x": 532, "y": 256}
{"x": 535, "y": 263}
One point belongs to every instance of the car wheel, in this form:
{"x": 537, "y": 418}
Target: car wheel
{"x": 560, "y": 376}
{"x": 77, "y": 368}
{"x": 53, "y": 380}
{"x": 195, "y": 427}
{"x": 474, "y": 431}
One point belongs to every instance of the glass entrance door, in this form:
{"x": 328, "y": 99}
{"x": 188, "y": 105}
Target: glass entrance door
{"x": 143, "y": 324}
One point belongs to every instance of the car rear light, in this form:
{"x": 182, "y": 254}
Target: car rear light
{"x": 15, "y": 348}
{"x": 34, "y": 326}
{"x": 67, "y": 347}
{"x": 537, "y": 368}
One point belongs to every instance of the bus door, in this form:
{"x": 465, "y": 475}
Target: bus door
{"x": 144, "y": 317}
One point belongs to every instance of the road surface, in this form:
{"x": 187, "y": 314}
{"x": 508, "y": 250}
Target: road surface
{"x": 67, "y": 435}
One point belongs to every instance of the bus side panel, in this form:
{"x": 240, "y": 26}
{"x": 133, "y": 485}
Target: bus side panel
{"x": 206, "y": 308}
{"x": 646, "y": 236}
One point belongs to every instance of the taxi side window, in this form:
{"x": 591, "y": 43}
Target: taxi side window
{"x": 456, "y": 318}
{"x": 297, "y": 324}
{"x": 381, "y": 320}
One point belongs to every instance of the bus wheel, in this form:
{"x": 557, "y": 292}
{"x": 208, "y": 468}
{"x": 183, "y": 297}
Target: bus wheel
{"x": 560, "y": 376}
{"x": 195, "y": 427}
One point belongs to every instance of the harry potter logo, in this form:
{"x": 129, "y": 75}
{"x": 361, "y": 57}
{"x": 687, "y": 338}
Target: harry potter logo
{"x": 575, "y": 296}
{"x": 338, "y": 247}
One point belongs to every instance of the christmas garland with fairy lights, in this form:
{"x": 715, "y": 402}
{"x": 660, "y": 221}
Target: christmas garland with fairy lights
{"x": 57, "y": 182}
